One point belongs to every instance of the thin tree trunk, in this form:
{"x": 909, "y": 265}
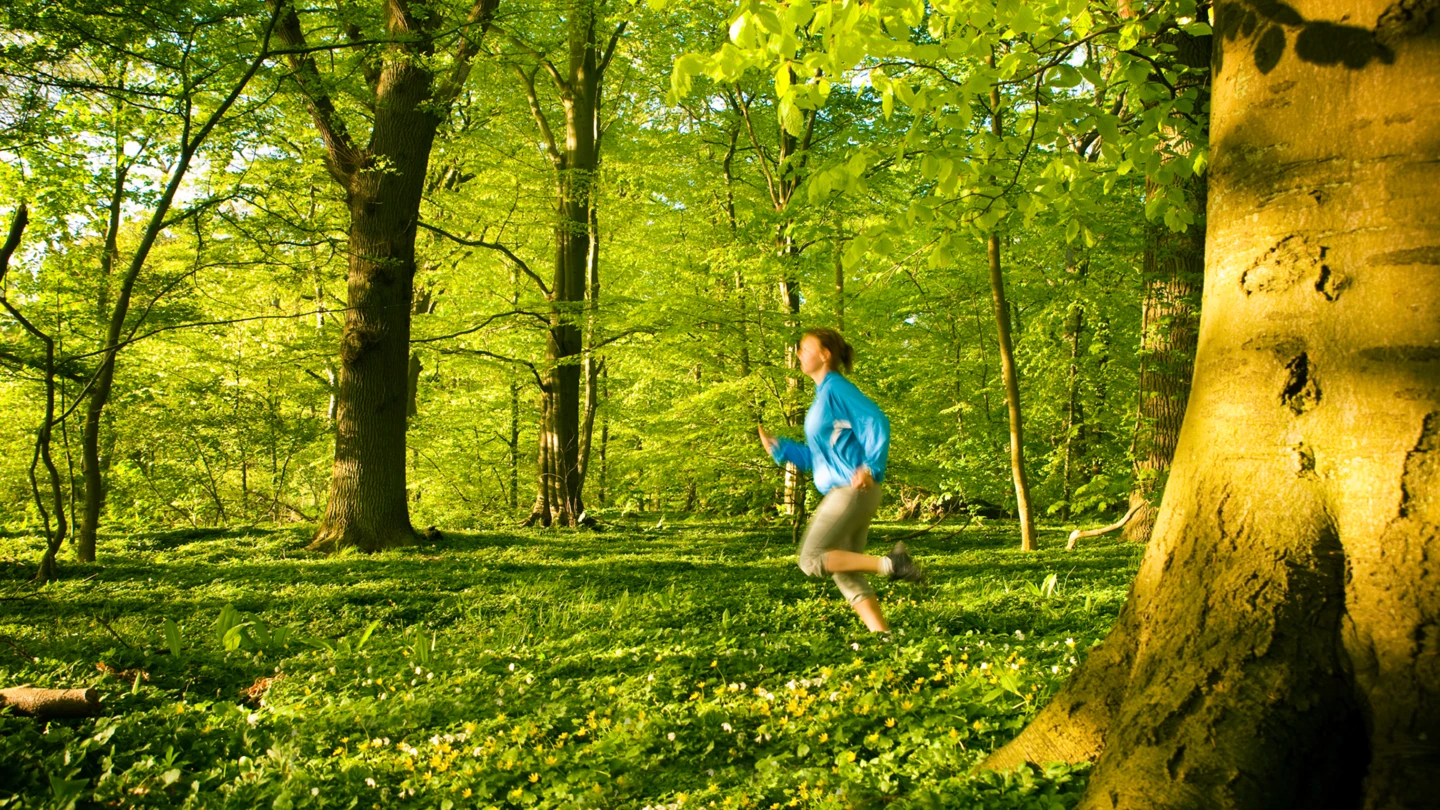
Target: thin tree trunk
{"x": 604, "y": 439}
{"x": 1007, "y": 365}
{"x": 1278, "y": 645}
{"x": 514, "y": 442}
{"x": 56, "y": 537}
{"x": 1172, "y": 274}
{"x": 1072, "y": 409}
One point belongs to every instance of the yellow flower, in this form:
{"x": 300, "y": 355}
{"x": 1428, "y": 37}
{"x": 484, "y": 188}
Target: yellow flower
{"x": 848, "y": 756}
{"x": 889, "y": 722}
{"x": 551, "y": 760}
{"x": 534, "y": 777}
{"x": 824, "y": 736}
{"x": 465, "y": 794}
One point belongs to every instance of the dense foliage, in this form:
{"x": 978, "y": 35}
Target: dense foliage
{"x": 685, "y": 664}
{"x": 223, "y": 401}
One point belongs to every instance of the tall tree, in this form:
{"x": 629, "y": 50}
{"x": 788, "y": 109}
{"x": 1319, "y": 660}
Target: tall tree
{"x": 1172, "y": 271}
{"x": 1278, "y": 645}
{"x": 1009, "y": 372}
{"x": 409, "y": 88}
{"x": 564, "y": 440}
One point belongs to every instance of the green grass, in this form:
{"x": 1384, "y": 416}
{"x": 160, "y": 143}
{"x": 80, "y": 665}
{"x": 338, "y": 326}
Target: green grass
{"x": 690, "y": 666}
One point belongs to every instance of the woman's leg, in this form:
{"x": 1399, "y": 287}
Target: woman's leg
{"x": 851, "y": 561}
{"x": 837, "y": 560}
{"x": 868, "y": 609}
{"x": 840, "y": 523}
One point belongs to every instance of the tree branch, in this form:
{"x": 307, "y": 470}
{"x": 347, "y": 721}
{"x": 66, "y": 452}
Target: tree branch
{"x": 537, "y": 316}
{"x": 610, "y": 48}
{"x": 481, "y": 14}
{"x": 525, "y": 268}
{"x": 512, "y": 360}
{"x": 342, "y": 158}
{"x": 550, "y": 147}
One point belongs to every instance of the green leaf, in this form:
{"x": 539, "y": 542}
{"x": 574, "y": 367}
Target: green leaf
{"x": 798, "y": 13}
{"x": 365, "y": 636}
{"x": 67, "y": 791}
{"x": 234, "y": 637}
{"x": 172, "y": 637}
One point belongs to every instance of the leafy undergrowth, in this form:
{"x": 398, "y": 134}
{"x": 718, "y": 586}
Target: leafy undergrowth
{"x": 691, "y": 665}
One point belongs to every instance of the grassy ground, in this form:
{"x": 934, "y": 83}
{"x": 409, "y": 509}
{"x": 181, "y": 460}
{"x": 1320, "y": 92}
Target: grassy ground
{"x": 690, "y": 665}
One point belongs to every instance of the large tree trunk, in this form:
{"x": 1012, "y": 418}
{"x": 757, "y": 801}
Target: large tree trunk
{"x": 1279, "y": 645}
{"x": 383, "y": 183}
{"x": 367, "y": 507}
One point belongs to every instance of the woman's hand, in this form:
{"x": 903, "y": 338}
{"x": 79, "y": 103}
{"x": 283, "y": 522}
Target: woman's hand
{"x": 767, "y": 440}
{"x": 862, "y": 479}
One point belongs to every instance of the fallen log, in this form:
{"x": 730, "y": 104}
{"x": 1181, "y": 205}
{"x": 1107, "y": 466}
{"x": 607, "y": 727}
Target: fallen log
{"x": 1119, "y": 524}
{"x": 49, "y": 704}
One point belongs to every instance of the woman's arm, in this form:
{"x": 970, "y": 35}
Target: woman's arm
{"x": 785, "y": 451}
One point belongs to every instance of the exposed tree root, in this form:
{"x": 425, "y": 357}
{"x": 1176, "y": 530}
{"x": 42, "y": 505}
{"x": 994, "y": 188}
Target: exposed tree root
{"x": 1119, "y": 524}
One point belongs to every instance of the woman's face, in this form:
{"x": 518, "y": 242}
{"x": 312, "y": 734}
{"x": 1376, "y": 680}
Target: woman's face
{"x": 812, "y": 356}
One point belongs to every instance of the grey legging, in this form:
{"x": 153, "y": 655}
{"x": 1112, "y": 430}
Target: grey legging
{"x": 841, "y": 523}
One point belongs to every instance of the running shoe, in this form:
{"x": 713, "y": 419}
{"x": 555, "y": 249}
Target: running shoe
{"x": 902, "y": 567}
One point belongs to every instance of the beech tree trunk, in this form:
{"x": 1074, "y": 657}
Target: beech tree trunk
{"x": 1172, "y": 273}
{"x": 1279, "y": 646}
{"x": 576, "y": 161}
{"x": 1008, "y": 370}
{"x": 383, "y": 182}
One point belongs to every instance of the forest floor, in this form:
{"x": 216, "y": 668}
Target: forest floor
{"x": 685, "y": 665}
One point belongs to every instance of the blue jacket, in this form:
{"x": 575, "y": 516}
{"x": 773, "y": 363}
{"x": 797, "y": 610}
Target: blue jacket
{"x": 843, "y": 429}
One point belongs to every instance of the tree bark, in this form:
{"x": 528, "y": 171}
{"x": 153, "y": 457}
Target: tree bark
{"x": 48, "y": 704}
{"x": 1008, "y": 370}
{"x": 383, "y": 182}
{"x": 576, "y": 162}
{"x": 1172, "y": 272}
{"x": 1279, "y": 645}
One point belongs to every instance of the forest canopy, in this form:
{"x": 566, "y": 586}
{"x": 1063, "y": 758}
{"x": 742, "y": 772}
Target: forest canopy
{"x": 185, "y": 220}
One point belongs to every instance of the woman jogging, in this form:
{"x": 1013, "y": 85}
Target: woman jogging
{"x": 847, "y": 442}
